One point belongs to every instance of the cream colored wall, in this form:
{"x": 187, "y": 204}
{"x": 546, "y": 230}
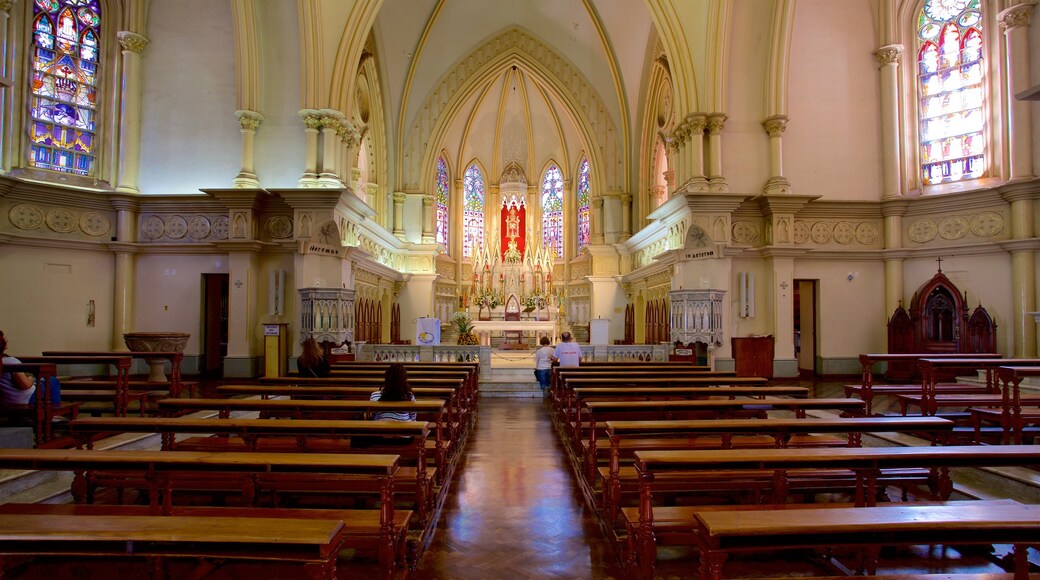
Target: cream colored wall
{"x": 974, "y": 275}
{"x": 280, "y": 139}
{"x": 762, "y": 322}
{"x": 832, "y": 143}
{"x": 169, "y": 293}
{"x": 44, "y": 297}
{"x": 851, "y": 318}
{"x": 745, "y": 145}
{"x": 188, "y": 96}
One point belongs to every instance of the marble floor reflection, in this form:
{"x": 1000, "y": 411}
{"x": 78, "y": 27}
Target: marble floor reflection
{"x": 514, "y": 510}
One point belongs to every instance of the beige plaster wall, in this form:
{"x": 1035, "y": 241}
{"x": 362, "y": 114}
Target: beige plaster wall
{"x": 169, "y": 293}
{"x": 850, "y": 313}
{"x": 44, "y": 297}
{"x": 189, "y": 96}
{"x": 832, "y": 143}
{"x": 745, "y": 145}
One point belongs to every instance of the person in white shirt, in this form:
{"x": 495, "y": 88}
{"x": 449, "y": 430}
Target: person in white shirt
{"x": 567, "y": 353}
{"x": 543, "y": 359}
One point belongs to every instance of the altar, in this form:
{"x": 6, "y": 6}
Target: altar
{"x": 538, "y": 328}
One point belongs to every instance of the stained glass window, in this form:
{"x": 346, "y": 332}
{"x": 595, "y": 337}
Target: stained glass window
{"x": 442, "y": 201}
{"x": 63, "y": 104}
{"x": 472, "y": 211}
{"x": 552, "y": 209}
{"x": 584, "y": 236}
{"x": 951, "y": 91}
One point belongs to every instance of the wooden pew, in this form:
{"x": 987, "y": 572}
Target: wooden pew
{"x": 725, "y": 533}
{"x": 932, "y": 368}
{"x": 569, "y": 410}
{"x": 283, "y": 435}
{"x": 121, "y": 363}
{"x": 421, "y": 369}
{"x": 361, "y": 526}
{"x": 175, "y": 384}
{"x": 1011, "y": 416}
{"x": 312, "y": 543}
{"x": 43, "y": 410}
{"x": 781, "y": 467}
{"x": 867, "y": 390}
{"x": 597, "y": 413}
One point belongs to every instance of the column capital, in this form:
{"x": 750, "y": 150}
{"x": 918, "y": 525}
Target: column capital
{"x": 775, "y": 125}
{"x": 6, "y": 5}
{"x": 889, "y": 54}
{"x": 249, "y": 120}
{"x": 311, "y": 118}
{"x": 597, "y": 202}
{"x": 1016, "y": 16}
{"x": 132, "y": 41}
{"x": 626, "y": 198}
{"x": 399, "y": 196}
{"x": 427, "y": 200}
{"x": 716, "y": 121}
{"x": 695, "y": 123}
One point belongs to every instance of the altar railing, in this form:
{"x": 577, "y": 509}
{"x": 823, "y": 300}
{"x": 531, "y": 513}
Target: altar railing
{"x": 413, "y": 353}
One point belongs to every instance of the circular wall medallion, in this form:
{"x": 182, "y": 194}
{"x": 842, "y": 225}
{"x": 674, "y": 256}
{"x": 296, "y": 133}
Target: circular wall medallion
{"x": 866, "y": 234}
{"x": 220, "y": 227}
{"x": 62, "y": 220}
{"x": 987, "y": 224}
{"x": 745, "y": 232}
{"x": 198, "y": 227}
{"x": 801, "y": 232}
{"x": 843, "y": 233}
{"x": 821, "y": 232}
{"x": 953, "y": 228}
{"x": 278, "y": 227}
{"x": 25, "y": 216}
{"x": 176, "y": 227}
{"x": 152, "y": 227}
{"x": 94, "y": 224}
{"x": 922, "y": 231}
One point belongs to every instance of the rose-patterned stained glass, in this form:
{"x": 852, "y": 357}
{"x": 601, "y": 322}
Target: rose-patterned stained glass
{"x": 442, "y": 201}
{"x": 552, "y": 209}
{"x": 63, "y": 104}
{"x": 584, "y": 235}
{"x": 472, "y": 210}
{"x": 951, "y": 91}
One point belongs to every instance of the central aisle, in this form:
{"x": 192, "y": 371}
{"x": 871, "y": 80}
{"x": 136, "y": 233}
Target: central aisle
{"x": 514, "y": 510}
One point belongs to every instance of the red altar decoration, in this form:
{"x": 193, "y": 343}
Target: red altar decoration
{"x": 514, "y": 225}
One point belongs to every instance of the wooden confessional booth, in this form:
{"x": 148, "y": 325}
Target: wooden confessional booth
{"x": 938, "y": 322}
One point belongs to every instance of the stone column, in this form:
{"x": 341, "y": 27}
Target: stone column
{"x": 695, "y": 124}
{"x": 429, "y": 234}
{"x": 775, "y": 127}
{"x": 597, "y": 220}
{"x": 894, "y": 254}
{"x": 248, "y": 121}
{"x": 716, "y": 182}
{"x": 891, "y": 179}
{"x": 1015, "y": 23}
{"x": 677, "y": 164}
{"x": 7, "y": 71}
{"x": 399, "y": 198}
{"x": 311, "y": 122}
{"x": 130, "y": 120}
{"x": 125, "y": 274}
{"x": 626, "y": 217}
{"x": 1023, "y": 268}
{"x": 330, "y": 123}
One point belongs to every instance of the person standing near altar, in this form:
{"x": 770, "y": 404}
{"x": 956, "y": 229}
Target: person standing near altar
{"x": 567, "y": 353}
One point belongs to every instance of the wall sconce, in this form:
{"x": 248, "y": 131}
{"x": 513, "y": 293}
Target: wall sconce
{"x": 746, "y": 288}
{"x": 91, "y": 319}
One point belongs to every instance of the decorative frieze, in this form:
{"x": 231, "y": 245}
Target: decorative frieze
{"x": 841, "y": 232}
{"x": 745, "y": 232}
{"x": 60, "y": 220}
{"x": 278, "y": 227}
{"x": 985, "y": 224}
{"x": 176, "y": 228}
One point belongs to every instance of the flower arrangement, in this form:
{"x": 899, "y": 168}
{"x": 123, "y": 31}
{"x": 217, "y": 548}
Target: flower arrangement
{"x": 487, "y": 300}
{"x": 535, "y": 301}
{"x": 464, "y": 326}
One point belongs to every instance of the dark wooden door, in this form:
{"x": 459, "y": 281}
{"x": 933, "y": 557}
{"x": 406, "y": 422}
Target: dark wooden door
{"x": 214, "y": 324}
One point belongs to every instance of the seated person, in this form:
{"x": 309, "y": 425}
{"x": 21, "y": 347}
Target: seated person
{"x": 312, "y": 362}
{"x": 395, "y": 388}
{"x": 19, "y": 389}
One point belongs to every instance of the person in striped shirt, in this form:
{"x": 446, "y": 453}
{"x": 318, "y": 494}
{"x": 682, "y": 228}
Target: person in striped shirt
{"x": 395, "y": 388}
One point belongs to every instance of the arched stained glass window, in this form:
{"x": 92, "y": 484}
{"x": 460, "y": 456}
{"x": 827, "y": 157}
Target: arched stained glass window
{"x": 951, "y": 91}
{"x": 584, "y": 236}
{"x": 552, "y": 209}
{"x": 472, "y": 211}
{"x": 63, "y": 104}
{"x": 442, "y": 201}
